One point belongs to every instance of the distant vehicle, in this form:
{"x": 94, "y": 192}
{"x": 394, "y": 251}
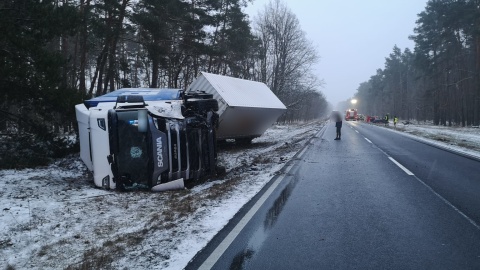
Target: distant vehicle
{"x": 351, "y": 114}
{"x": 378, "y": 120}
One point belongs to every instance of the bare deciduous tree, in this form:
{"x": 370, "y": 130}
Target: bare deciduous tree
{"x": 286, "y": 55}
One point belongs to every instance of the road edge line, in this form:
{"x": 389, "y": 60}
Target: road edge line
{"x": 228, "y": 240}
{"x": 449, "y": 204}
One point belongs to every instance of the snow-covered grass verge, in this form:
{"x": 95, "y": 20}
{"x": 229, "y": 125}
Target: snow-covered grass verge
{"x": 465, "y": 140}
{"x": 54, "y": 218}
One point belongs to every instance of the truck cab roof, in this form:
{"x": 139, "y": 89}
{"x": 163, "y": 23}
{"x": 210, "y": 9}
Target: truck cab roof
{"x": 148, "y": 94}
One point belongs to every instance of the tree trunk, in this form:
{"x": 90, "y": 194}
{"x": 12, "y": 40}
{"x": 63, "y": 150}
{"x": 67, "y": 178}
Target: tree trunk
{"x": 84, "y": 9}
{"x": 98, "y": 71}
{"x": 155, "y": 69}
{"x": 112, "y": 51}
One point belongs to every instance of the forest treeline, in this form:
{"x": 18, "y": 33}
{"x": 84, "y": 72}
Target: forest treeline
{"x": 56, "y": 53}
{"x": 439, "y": 80}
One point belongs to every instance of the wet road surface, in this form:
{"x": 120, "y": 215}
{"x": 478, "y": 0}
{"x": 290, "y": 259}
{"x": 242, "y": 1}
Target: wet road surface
{"x": 373, "y": 200}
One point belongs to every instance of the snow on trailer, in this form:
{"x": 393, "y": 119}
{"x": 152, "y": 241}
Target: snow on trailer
{"x": 246, "y": 108}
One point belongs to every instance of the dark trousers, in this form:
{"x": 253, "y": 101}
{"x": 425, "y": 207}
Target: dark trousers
{"x": 339, "y": 132}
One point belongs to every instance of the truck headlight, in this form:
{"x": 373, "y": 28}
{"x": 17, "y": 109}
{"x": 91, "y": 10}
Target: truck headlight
{"x": 101, "y": 123}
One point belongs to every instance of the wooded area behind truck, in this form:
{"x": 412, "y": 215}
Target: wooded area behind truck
{"x": 56, "y": 53}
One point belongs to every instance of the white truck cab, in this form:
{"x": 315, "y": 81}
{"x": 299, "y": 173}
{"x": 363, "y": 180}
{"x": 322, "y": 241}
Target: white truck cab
{"x": 94, "y": 142}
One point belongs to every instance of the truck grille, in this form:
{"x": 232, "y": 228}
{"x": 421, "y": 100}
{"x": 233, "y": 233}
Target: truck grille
{"x": 178, "y": 154}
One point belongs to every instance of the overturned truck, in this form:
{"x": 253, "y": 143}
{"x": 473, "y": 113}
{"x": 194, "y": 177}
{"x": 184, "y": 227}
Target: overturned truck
{"x": 147, "y": 138}
{"x": 142, "y": 138}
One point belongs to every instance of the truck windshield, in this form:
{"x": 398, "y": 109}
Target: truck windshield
{"x": 132, "y": 156}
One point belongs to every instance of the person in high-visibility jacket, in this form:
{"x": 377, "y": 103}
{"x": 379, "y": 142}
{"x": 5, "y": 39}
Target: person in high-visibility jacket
{"x": 395, "y": 120}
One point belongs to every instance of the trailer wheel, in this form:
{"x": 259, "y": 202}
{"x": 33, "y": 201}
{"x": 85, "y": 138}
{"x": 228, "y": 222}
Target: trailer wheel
{"x": 202, "y": 105}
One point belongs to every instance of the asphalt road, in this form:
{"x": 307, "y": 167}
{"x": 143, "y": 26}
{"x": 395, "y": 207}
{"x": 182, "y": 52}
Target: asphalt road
{"x": 373, "y": 200}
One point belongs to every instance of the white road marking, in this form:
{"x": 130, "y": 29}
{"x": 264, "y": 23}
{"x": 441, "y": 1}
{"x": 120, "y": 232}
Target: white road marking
{"x": 357, "y": 131}
{"x": 368, "y": 140}
{"x": 222, "y": 247}
{"x": 401, "y": 166}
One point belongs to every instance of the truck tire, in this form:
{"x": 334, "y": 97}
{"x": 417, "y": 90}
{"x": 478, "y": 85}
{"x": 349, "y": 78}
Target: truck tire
{"x": 199, "y": 96}
{"x": 203, "y": 96}
{"x": 202, "y": 105}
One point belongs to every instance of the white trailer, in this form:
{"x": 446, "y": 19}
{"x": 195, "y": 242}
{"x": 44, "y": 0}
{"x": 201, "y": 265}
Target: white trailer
{"x": 246, "y": 108}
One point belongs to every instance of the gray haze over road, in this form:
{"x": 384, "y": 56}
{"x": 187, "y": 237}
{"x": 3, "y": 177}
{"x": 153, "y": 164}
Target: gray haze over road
{"x": 353, "y": 38}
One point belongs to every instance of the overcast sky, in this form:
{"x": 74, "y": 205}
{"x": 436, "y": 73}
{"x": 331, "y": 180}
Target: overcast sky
{"x": 352, "y": 37}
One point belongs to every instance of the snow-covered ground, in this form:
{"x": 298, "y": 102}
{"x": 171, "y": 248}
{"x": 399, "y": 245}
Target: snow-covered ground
{"x": 464, "y": 140}
{"x": 54, "y": 218}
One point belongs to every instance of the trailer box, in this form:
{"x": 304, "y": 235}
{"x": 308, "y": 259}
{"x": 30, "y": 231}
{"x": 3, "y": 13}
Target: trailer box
{"x": 246, "y": 108}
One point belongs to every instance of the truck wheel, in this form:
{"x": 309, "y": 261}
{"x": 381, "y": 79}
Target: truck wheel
{"x": 202, "y": 105}
{"x": 203, "y": 96}
{"x": 199, "y": 96}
